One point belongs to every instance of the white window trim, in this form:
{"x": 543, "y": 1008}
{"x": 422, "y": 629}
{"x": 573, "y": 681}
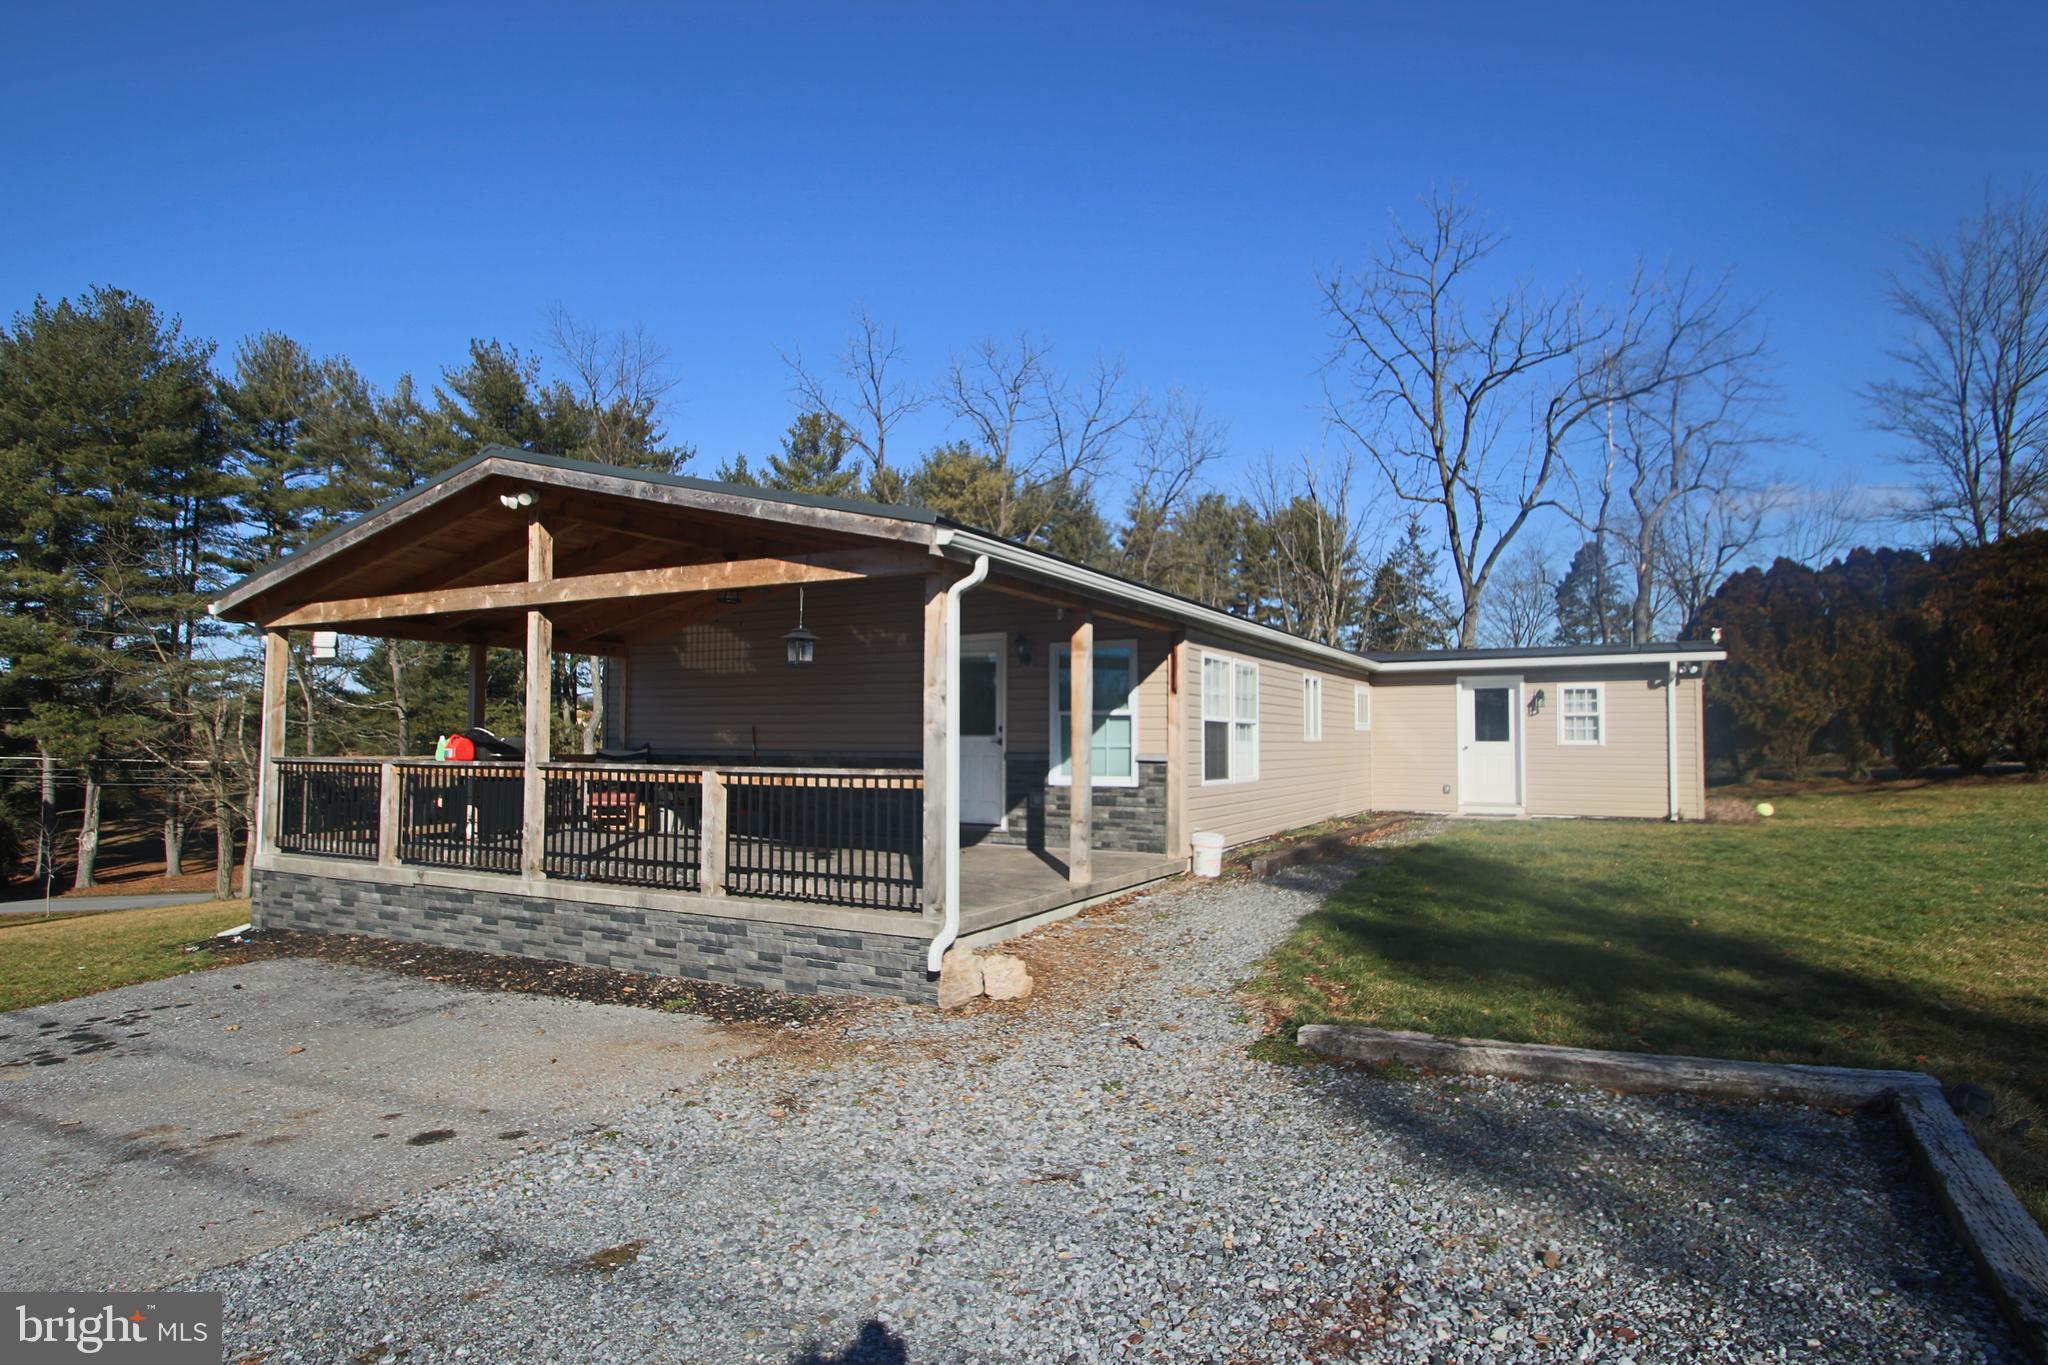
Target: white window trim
{"x": 1361, "y": 693}
{"x": 1311, "y": 711}
{"x": 1257, "y": 722}
{"x": 1053, "y": 776}
{"x": 1599, "y": 691}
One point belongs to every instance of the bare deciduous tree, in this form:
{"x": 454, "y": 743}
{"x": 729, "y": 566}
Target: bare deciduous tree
{"x": 1682, "y": 443}
{"x": 1971, "y": 407}
{"x": 1521, "y": 611}
{"x": 879, "y": 401}
{"x": 1309, "y": 541}
{"x": 1475, "y": 409}
{"x": 1175, "y": 442}
{"x": 621, "y": 378}
{"x": 1044, "y": 432}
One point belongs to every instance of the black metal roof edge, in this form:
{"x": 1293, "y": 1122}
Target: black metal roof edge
{"x": 1383, "y": 656}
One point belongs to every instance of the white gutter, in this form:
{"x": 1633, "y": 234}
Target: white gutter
{"x": 1520, "y": 662}
{"x": 1671, "y": 731}
{"x": 950, "y": 929}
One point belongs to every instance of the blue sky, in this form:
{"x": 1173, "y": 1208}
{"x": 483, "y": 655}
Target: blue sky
{"x": 1158, "y": 182}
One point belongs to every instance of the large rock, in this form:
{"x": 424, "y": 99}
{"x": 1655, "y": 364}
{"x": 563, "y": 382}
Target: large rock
{"x": 1005, "y": 977}
{"x": 960, "y": 978}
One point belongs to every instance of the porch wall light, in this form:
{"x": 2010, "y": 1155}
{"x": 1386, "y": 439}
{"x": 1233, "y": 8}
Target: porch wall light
{"x": 1023, "y": 650}
{"x": 800, "y": 643}
{"x": 1536, "y": 702}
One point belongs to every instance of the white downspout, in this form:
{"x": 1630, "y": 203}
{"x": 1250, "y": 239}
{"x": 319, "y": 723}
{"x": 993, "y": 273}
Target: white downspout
{"x": 1671, "y": 731}
{"x": 950, "y": 928}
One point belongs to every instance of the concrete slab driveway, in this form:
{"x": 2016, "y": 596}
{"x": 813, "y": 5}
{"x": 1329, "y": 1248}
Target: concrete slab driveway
{"x": 151, "y": 1132}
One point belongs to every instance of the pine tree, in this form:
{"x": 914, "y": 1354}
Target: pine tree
{"x": 1590, "y": 609}
{"x": 1405, "y": 606}
{"x": 812, "y": 460}
{"x": 110, "y": 455}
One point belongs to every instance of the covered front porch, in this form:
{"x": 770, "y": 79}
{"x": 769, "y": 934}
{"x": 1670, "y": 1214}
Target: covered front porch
{"x": 749, "y": 817}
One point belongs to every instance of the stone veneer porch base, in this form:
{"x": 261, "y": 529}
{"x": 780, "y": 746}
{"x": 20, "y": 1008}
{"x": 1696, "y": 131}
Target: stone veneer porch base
{"x": 807, "y": 959}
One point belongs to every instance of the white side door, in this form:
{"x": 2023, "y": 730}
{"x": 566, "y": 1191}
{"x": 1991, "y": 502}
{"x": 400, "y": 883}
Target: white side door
{"x": 1490, "y": 745}
{"x": 983, "y": 705}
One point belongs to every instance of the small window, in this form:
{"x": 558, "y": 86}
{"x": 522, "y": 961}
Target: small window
{"x": 1582, "y": 714}
{"x": 1230, "y": 719}
{"x": 1311, "y": 707}
{"x": 1361, "y": 708}
{"x": 1113, "y": 762}
{"x": 1490, "y": 722}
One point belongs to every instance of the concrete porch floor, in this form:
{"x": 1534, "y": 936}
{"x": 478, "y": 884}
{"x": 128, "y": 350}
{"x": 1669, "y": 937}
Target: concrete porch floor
{"x": 1000, "y": 883}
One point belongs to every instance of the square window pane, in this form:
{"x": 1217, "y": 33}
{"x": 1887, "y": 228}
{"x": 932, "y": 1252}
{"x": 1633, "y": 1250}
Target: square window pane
{"x": 1112, "y": 680}
{"x": 1215, "y": 750}
{"x": 1247, "y": 692}
{"x": 1113, "y": 757}
{"x": 1490, "y": 724}
{"x": 1216, "y": 688}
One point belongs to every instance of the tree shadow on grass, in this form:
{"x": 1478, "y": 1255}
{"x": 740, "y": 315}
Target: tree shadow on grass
{"x": 1495, "y": 949}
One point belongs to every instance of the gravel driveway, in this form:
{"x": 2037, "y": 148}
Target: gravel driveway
{"x": 1103, "y": 1174}
{"x": 154, "y": 1131}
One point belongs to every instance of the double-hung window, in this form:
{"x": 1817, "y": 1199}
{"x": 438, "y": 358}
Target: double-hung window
{"x": 1230, "y": 719}
{"x": 1582, "y": 714}
{"x": 1311, "y": 707}
{"x": 1113, "y": 760}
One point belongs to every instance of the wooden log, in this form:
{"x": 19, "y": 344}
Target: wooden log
{"x": 711, "y": 834}
{"x": 1081, "y": 755}
{"x": 387, "y": 814}
{"x": 1176, "y": 748}
{"x": 1826, "y": 1087}
{"x": 826, "y": 567}
{"x": 540, "y": 649}
{"x": 937, "y": 795}
{"x": 2009, "y": 1247}
{"x": 277, "y": 654}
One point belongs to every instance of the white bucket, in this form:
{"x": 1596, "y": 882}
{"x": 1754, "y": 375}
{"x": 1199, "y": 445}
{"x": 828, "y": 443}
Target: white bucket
{"x": 1208, "y": 853}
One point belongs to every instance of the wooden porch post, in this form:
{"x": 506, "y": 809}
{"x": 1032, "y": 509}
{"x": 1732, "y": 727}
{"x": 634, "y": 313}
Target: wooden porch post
{"x": 540, "y": 648}
{"x": 270, "y": 742}
{"x": 937, "y": 799}
{"x": 479, "y": 672}
{"x": 387, "y": 814}
{"x": 1081, "y": 749}
{"x": 1177, "y": 747}
{"x": 711, "y": 808}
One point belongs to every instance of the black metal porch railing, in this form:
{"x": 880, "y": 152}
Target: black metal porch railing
{"x": 839, "y": 837}
{"x": 466, "y": 815}
{"x": 327, "y": 807}
{"x": 627, "y": 825}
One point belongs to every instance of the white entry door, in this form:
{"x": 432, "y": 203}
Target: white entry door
{"x": 1490, "y": 744}
{"x": 982, "y": 708}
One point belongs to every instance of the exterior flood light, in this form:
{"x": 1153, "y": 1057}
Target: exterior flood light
{"x": 801, "y": 644}
{"x": 512, "y": 502}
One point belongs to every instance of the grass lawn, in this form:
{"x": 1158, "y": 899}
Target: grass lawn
{"x": 56, "y": 959}
{"x": 1889, "y": 926}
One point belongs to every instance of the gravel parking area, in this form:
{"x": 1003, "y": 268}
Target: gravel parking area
{"x": 1103, "y": 1173}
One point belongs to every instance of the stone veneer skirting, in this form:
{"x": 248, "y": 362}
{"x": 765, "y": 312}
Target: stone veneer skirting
{"x": 1127, "y": 819}
{"x": 804, "y": 959}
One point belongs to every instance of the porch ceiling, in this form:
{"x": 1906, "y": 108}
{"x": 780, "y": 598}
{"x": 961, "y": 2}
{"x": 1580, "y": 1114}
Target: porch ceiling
{"x": 465, "y": 537}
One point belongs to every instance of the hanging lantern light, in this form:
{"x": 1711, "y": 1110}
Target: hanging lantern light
{"x": 801, "y": 644}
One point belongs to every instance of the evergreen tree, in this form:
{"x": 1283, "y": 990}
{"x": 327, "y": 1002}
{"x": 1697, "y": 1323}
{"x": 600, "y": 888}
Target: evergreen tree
{"x": 812, "y": 460}
{"x": 1405, "y": 606}
{"x": 1590, "y": 608}
{"x": 110, "y": 453}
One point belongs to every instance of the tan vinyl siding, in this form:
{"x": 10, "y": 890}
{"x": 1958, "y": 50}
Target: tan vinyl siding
{"x": 716, "y": 689}
{"x": 1415, "y": 743}
{"x": 1628, "y": 774}
{"x": 1416, "y": 753}
{"x": 1300, "y": 781}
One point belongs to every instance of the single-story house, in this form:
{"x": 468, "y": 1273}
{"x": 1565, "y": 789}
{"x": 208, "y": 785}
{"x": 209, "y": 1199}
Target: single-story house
{"x": 840, "y": 736}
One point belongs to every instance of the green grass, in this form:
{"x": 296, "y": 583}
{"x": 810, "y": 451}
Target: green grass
{"x": 60, "y": 958}
{"x": 1901, "y": 926}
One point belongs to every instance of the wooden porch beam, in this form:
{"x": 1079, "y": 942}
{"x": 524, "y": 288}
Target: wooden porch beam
{"x": 824, "y": 567}
{"x": 1081, "y": 753}
{"x": 540, "y": 649}
{"x": 277, "y": 654}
